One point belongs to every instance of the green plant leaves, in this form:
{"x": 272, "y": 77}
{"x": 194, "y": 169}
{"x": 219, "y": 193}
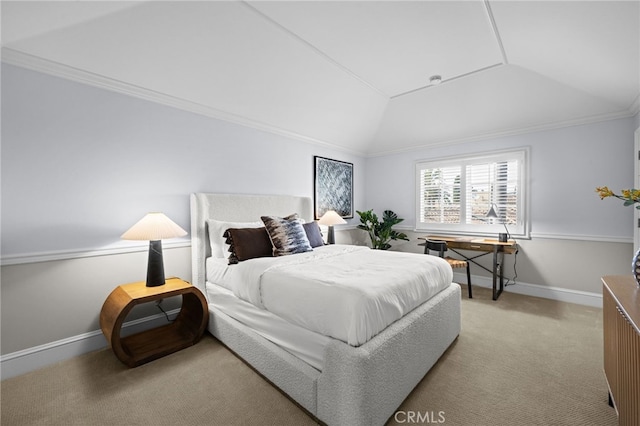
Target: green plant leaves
{"x": 379, "y": 232}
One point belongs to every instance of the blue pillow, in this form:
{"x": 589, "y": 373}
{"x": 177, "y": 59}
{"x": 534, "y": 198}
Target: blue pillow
{"x": 313, "y": 234}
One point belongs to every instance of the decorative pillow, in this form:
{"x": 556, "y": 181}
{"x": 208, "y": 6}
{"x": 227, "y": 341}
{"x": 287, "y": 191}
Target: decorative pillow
{"x": 313, "y": 234}
{"x": 248, "y": 243}
{"x": 219, "y": 247}
{"x": 287, "y": 236}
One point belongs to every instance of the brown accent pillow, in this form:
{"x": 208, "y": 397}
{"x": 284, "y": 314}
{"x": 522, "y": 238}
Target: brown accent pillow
{"x": 248, "y": 243}
{"x": 313, "y": 234}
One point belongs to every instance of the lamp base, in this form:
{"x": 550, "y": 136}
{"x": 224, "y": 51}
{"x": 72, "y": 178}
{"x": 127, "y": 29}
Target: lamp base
{"x": 331, "y": 238}
{"x": 155, "y": 265}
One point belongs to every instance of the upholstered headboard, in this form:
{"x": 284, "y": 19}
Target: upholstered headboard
{"x": 235, "y": 208}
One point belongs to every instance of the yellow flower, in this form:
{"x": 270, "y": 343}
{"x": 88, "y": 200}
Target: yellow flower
{"x": 604, "y": 192}
{"x": 629, "y": 196}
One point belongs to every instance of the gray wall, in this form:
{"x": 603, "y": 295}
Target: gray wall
{"x": 80, "y": 165}
{"x": 575, "y": 237}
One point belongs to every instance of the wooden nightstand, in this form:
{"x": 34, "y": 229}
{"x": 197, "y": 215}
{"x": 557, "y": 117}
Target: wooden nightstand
{"x": 151, "y": 344}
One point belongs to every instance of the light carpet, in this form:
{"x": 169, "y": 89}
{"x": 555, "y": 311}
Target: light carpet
{"x": 518, "y": 361}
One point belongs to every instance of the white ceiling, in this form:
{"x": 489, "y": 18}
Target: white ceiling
{"x": 349, "y": 74}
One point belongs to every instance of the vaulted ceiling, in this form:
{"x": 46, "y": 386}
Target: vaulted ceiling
{"x": 348, "y": 74}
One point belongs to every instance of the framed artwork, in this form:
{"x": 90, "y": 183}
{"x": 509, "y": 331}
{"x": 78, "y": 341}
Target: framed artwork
{"x": 333, "y": 187}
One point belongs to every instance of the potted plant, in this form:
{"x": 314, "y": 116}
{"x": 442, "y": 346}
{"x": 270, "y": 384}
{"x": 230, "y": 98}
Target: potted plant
{"x": 381, "y": 232}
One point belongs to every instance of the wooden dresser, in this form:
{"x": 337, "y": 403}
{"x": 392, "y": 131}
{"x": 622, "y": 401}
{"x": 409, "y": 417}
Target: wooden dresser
{"x": 621, "y": 323}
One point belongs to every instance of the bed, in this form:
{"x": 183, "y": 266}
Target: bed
{"x": 341, "y": 375}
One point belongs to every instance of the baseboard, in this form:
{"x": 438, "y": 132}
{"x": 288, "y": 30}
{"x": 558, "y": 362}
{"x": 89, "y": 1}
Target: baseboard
{"x": 21, "y": 362}
{"x": 554, "y": 293}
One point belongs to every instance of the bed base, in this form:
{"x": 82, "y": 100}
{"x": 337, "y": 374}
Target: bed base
{"x": 358, "y": 385}
{"x": 289, "y": 373}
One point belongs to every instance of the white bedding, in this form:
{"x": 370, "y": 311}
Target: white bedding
{"x": 350, "y": 293}
{"x": 306, "y": 345}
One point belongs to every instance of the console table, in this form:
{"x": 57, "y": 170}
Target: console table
{"x": 621, "y": 324}
{"x": 485, "y": 245}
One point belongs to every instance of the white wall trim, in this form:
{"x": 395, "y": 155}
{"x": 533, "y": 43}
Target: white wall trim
{"x": 635, "y": 106}
{"x": 47, "y": 256}
{"x": 535, "y": 235}
{"x": 554, "y": 293}
{"x": 511, "y": 132}
{"x": 56, "y": 69}
{"x": 24, "y": 361}
{"x": 583, "y": 237}
{"x": 35, "y": 63}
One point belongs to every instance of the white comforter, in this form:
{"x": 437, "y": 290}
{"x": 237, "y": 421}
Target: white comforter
{"x": 350, "y": 293}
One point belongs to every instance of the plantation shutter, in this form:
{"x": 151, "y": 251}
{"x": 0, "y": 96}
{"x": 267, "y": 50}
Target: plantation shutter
{"x": 492, "y": 184}
{"x": 440, "y": 200}
{"x": 455, "y": 194}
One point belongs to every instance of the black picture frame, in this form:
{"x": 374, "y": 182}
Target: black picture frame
{"x": 332, "y": 187}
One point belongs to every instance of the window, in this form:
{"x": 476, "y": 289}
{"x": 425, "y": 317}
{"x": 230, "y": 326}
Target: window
{"x": 455, "y": 194}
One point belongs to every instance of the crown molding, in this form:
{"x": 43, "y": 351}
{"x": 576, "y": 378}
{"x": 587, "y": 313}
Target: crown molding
{"x": 635, "y": 106}
{"x": 57, "y": 69}
{"x": 511, "y": 132}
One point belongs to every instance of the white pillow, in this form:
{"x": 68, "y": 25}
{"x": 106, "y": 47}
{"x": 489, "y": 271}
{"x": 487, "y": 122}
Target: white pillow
{"x": 219, "y": 247}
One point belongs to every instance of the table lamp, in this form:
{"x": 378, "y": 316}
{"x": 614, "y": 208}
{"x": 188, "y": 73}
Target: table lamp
{"x": 331, "y": 218}
{"x": 492, "y": 214}
{"x": 154, "y": 227}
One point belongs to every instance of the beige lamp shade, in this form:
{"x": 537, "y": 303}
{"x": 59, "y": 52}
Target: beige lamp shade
{"x": 153, "y": 227}
{"x": 331, "y": 218}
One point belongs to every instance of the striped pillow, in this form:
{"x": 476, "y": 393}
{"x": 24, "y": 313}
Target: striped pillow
{"x": 287, "y": 235}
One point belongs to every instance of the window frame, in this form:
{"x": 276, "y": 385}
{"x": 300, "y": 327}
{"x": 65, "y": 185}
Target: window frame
{"x": 520, "y": 230}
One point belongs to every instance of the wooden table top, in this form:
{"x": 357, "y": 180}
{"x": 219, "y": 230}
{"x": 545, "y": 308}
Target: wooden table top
{"x": 139, "y": 290}
{"x": 465, "y": 239}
